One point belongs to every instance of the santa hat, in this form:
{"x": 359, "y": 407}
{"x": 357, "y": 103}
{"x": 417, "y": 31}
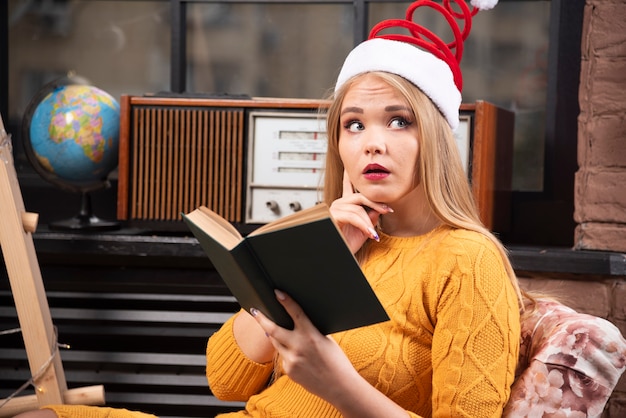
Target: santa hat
{"x": 421, "y": 57}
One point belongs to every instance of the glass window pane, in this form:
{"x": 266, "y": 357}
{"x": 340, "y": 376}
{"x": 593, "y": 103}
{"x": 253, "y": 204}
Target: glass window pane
{"x": 119, "y": 46}
{"x": 268, "y": 50}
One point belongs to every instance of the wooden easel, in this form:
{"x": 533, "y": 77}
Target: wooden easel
{"x": 16, "y": 242}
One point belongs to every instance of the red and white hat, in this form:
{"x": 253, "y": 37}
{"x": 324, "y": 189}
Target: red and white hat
{"x": 421, "y": 57}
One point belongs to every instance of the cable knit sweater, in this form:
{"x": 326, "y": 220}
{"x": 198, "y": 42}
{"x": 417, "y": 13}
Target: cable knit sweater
{"x": 449, "y": 350}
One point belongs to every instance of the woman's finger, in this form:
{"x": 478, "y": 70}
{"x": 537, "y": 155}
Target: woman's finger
{"x": 272, "y": 331}
{"x": 279, "y": 336}
{"x": 300, "y": 319}
{"x": 347, "y": 185}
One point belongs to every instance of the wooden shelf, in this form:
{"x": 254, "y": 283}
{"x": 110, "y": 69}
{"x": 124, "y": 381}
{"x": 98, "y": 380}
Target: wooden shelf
{"x": 135, "y": 247}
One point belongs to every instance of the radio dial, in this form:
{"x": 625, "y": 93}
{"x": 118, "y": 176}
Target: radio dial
{"x": 272, "y": 205}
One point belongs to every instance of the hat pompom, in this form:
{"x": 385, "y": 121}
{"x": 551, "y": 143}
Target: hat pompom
{"x": 484, "y": 4}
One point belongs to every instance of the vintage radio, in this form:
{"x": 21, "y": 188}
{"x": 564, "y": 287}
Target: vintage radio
{"x": 177, "y": 153}
{"x": 258, "y": 159}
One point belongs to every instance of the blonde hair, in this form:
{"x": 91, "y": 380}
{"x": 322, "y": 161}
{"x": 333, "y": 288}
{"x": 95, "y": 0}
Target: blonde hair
{"x": 440, "y": 171}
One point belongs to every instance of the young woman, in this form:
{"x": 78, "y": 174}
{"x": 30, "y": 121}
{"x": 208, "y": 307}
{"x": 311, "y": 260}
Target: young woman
{"x": 396, "y": 188}
{"x": 400, "y": 195}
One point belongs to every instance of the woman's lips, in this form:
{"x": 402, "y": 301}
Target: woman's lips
{"x": 375, "y": 172}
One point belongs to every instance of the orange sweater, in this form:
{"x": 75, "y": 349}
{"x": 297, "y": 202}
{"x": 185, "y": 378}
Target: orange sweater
{"x": 449, "y": 350}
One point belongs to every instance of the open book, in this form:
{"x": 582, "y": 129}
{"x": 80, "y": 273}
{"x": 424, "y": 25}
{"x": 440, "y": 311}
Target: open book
{"x": 304, "y": 255}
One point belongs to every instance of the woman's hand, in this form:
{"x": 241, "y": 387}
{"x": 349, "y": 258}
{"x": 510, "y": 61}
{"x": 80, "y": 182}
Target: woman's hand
{"x": 356, "y": 215}
{"x": 318, "y": 364}
{"x": 309, "y": 358}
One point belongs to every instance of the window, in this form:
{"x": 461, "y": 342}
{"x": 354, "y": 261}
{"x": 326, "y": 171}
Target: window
{"x": 522, "y": 55}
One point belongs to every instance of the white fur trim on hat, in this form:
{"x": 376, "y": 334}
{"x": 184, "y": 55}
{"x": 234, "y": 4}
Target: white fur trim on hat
{"x": 484, "y": 4}
{"x": 431, "y": 74}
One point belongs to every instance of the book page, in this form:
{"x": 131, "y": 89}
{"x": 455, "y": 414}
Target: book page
{"x": 217, "y": 227}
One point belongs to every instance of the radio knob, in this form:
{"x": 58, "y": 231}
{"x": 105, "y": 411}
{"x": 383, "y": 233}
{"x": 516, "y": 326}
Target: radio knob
{"x": 295, "y": 206}
{"x": 272, "y": 205}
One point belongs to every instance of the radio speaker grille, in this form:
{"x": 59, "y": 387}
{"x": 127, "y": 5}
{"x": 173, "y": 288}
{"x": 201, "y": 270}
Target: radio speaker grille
{"x": 178, "y": 158}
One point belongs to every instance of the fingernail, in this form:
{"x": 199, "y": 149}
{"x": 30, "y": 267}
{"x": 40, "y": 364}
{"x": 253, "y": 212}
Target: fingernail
{"x": 374, "y": 234}
{"x": 389, "y": 209}
{"x": 280, "y": 295}
{"x": 253, "y": 312}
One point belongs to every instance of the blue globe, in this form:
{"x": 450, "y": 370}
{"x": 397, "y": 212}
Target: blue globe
{"x": 73, "y": 134}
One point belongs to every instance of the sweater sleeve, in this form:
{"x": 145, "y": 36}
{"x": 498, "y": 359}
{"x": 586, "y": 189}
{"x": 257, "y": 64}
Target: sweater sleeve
{"x": 231, "y": 375}
{"x": 476, "y": 336}
{"x": 83, "y": 411}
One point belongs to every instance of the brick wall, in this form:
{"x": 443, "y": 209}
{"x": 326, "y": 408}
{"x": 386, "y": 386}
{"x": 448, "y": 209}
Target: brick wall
{"x": 600, "y": 184}
{"x": 600, "y": 199}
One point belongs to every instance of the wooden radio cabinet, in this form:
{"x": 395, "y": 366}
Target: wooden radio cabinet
{"x": 180, "y": 153}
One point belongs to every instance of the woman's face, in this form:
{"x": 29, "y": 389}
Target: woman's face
{"x": 378, "y": 141}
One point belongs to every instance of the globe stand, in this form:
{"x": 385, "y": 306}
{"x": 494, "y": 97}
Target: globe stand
{"x": 85, "y": 220}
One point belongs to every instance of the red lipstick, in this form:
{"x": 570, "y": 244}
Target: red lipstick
{"x": 375, "y": 172}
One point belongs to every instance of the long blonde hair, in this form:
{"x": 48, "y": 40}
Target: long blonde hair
{"x": 440, "y": 171}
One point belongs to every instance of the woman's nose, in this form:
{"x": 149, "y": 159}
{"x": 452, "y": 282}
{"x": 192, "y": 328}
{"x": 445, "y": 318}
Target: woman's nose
{"x": 374, "y": 143}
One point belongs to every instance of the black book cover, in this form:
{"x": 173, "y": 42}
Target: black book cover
{"x": 310, "y": 261}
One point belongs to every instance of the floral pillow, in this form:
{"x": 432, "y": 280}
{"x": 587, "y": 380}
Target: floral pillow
{"x": 569, "y": 364}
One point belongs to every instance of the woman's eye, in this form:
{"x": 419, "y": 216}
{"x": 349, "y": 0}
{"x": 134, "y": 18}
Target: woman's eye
{"x": 354, "y": 126}
{"x": 399, "y": 123}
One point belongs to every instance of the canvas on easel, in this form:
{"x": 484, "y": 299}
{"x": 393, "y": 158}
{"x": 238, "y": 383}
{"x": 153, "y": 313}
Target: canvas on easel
{"x": 40, "y": 340}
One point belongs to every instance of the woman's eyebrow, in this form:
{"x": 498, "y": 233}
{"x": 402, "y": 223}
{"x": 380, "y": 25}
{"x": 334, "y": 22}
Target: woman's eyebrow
{"x": 396, "y": 108}
{"x": 351, "y": 109}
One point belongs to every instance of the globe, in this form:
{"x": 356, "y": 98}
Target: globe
{"x": 71, "y": 137}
